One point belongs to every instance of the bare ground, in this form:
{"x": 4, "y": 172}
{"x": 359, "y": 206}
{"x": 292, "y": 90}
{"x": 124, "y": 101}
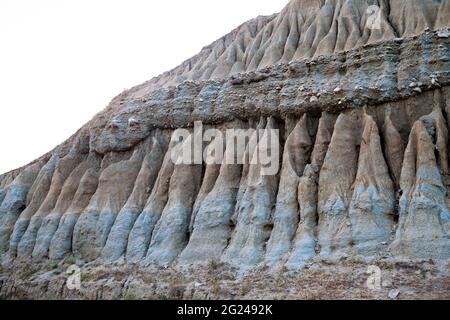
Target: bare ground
{"x": 321, "y": 279}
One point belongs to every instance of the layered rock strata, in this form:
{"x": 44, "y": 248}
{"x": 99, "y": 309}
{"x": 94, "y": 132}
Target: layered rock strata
{"x": 362, "y": 113}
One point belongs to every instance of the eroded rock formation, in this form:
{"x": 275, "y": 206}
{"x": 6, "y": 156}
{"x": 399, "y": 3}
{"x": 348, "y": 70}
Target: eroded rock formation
{"x": 361, "y": 100}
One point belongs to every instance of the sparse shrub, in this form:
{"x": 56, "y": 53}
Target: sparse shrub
{"x": 328, "y": 262}
{"x": 181, "y": 279}
{"x": 406, "y": 265}
{"x": 51, "y": 265}
{"x": 130, "y": 296}
{"x": 385, "y": 264}
{"x": 101, "y": 274}
{"x": 121, "y": 274}
{"x": 85, "y": 276}
{"x": 28, "y": 272}
{"x": 215, "y": 285}
{"x": 246, "y": 288}
{"x": 176, "y": 292}
{"x": 147, "y": 278}
{"x": 216, "y": 288}
{"x": 71, "y": 260}
{"x": 214, "y": 265}
{"x": 356, "y": 259}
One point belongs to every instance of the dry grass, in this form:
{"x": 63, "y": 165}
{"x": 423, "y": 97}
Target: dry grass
{"x": 344, "y": 279}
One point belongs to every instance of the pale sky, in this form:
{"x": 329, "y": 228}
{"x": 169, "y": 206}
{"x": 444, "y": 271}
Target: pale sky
{"x": 62, "y": 61}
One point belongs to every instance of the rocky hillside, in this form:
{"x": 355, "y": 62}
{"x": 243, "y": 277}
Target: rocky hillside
{"x": 359, "y": 90}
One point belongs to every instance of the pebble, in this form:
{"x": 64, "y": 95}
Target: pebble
{"x": 393, "y": 294}
{"x": 435, "y": 82}
{"x": 132, "y": 121}
{"x": 443, "y": 34}
{"x": 387, "y": 284}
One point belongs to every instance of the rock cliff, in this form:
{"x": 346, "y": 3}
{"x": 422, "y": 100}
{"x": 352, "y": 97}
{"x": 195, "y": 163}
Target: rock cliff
{"x": 359, "y": 90}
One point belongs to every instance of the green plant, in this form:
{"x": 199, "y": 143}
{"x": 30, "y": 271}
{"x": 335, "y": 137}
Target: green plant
{"x": 328, "y": 262}
{"x": 51, "y": 265}
{"x": 119, "y": 275}
{"x": 71, "y": 260}
{"x": 86, "y": 276}
{"x": 29, "y": 272}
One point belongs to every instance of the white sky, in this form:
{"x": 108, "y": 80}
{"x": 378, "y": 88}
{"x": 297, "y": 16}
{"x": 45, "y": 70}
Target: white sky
{"x": 62, "y": 61}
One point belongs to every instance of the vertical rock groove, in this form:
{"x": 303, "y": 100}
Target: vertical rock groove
{"x": 360, "y": 93}
{"x": 297, "y": 152}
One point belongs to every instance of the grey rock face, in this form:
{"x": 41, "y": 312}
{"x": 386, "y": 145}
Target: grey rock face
{"x": 141, "y": 233}
{"x": 2, "y": 195}
{"x": 394, "y": 148}
{"x": 117, "y": 241}
{"x": 363, "y": 115}
{"x": 115, "y": 186}
{"x": 372, "y": 205}
{"x": 305, "y": 241}
{"x": 170, "y": 235}
{"x": 63, "y": 169}
{"x": 43, "y": 183}
{"x": 253, "y": 214}
{"x": 212, "y": 227}
{"x": 335, "y": 194}
{"x": 424, "y": 216}
{"x": 209, "y": 179}
{"x": 68, "y": 194}
{"x": 14, "y": 202}
{"x": 335, "y": 186}
{"x": 61, "y": 243}
{"x": 297, "y": 153}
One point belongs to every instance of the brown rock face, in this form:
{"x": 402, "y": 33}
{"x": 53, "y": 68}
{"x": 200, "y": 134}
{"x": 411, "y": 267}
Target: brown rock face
{"x": 372, "y": 206}
{"x": 336, "y": 185}
{"x": 424, "y": 216}
{"x": 297, "y": 153}
{"x": 359, "y": 93}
